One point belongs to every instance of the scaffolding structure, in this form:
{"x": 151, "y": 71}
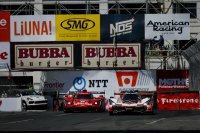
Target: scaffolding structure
{"x": 168, "y": 58}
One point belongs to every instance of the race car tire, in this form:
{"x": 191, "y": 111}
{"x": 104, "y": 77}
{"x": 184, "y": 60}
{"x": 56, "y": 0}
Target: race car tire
{"x": 111, "y": 113}
{"x": 65, "y": 110}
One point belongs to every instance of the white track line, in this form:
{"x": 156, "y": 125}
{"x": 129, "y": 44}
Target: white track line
{"x": 63, "y": 114}
{"x": 156, "y": 121}
{"x": 18, "y": 121}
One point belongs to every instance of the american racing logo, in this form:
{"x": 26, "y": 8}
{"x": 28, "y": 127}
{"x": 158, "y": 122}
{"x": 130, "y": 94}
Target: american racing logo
{"x": 77, "y": 24}
{"x": 174, "y": 83}
{"x": 123, "y": 27}
{"x": 177, "y": 100}
{"x": 168, "y": 26}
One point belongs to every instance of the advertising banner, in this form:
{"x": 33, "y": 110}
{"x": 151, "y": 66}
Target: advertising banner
{"x": 108, "y": 81}
{"x": 171, "y": 26}
{"x": 82, "y": 27}
{"x": 44, "y": 56}
{"x": 4, "y": 56}
{"x": 10, "y": 104}
{"x": 170, "y": 80}
{"x": 122, "y": 27}
{"x": 110, "y": 55}
{"x": 4, "y": 26}
{"x": 178, "y": 101}
{"x": 33, "y": 28}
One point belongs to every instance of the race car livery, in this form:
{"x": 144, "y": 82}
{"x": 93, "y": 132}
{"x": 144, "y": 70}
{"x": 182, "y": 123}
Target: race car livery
{"x": 141, "y": 102}
{"x": 84, "y": 101}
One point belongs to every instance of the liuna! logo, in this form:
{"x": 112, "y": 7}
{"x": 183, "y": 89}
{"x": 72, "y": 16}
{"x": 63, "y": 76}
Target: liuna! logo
{"x": 77, "y": 24}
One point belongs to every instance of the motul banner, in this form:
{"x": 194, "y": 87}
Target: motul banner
{"x": 170, "y": 80}
{"x": 82, "y": 27}
{"x": 33, "y": 28}
{"x": 111, "y": 56}
{"x": 178, "y": 101}
{"x": 122, "y": 27}
{"x": 108, "y": 81}
{"x": 4, "y": 56}
{"x": 4, "y": 26}
{"x": 171, "y": 26}
{"x": 44, "y": 56}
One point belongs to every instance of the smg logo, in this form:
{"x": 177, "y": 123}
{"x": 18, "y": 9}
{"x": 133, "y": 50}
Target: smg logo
{"x": 77, "y": 24}
{"x": 123, "y": 27}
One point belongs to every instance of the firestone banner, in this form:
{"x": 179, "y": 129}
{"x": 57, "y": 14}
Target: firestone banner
{"x": 4, "y": 56}
{"x": 108, "y": 81}
{"x": 110, "y": 55}
{"x": 44, "y": 56}
{"x": 78, "y": 27}
{"x": 122, "y": 28}
{"x": 178, "y": 101}
{"x": 33, "y": 28}
{"x": 171, "y": 26}
{"x": 4, "y": 26}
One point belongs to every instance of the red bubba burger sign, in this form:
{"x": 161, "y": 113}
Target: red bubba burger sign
{"x": 179, "y": 101}
{"x": 44, "y": 56}
{"x": 172, "y": 80}
{"x": 107, "y": 55}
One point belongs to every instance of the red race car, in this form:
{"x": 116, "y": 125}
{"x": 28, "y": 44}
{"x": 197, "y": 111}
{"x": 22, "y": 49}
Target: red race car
{"x": 141, "y": 102}
{"x": 84, "y": 101}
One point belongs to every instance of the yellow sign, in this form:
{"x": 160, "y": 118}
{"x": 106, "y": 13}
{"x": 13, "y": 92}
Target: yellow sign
{"x": 82, "y": 27}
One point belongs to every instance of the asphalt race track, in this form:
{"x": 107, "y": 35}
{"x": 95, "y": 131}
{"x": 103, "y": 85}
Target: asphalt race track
{"x": 90, "y": 121}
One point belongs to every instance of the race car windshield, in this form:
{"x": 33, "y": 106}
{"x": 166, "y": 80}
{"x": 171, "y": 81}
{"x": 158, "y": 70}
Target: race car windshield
{"x": 84, "y": 96}
{"x": 130, "y": 97}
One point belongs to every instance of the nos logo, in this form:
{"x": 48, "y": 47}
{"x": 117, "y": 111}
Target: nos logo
{"x": 77, "y": 24}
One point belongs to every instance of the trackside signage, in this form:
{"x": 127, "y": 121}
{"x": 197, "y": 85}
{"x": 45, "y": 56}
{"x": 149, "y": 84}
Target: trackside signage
{"x": 4, "y": 26}
{"x": 109, "y": 55}
{"x": 171, "y": 26}
{"x": 178, "y": 101}
{"x": 122, "y": 27}
{"x": 105, "y": 80}
{"x": 172, "y": 80}
{"x": 44, "y": 56}
{"x": 33, "y": 28}
{"x": 4, "y": 56}
{"x": 78, "y": 27}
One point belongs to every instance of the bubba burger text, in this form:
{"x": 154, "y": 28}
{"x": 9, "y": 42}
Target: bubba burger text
{"x": 59, "y": 55}
{"x": 108, "y": 55}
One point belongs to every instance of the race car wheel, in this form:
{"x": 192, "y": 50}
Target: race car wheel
{"x": 111, "y": 113}
{"x": 24, "y": 106}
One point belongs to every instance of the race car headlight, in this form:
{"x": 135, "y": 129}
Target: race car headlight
{"x": 67, "y": 102}
{"x": 95, "y": 103}
{"x": 28, "y": 98}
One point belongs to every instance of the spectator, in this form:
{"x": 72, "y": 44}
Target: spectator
{"x": 161, "y": 42}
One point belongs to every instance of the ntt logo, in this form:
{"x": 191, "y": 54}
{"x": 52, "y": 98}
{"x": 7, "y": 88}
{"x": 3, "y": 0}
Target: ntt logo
{"x": 79, "y": 83}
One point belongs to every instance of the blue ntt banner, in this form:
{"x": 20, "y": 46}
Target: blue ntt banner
{"x": 122, "y": 27}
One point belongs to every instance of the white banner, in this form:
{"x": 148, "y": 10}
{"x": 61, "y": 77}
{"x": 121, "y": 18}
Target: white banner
{"x": 171, "y": 26}
{"x": 44, "y": 56}
{"x": 108, "y": 55}
{"x": 11, "y": 104}
{"x": 97, "y": 80}
{"x": 33, "y": 28}
{"x": 4, "y": 56}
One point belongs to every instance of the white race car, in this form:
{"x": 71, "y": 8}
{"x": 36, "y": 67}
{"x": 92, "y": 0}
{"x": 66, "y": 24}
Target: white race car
{"x": 142, "y": 102}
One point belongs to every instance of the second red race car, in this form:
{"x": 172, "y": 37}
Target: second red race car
{"x": 84, "y": 101}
